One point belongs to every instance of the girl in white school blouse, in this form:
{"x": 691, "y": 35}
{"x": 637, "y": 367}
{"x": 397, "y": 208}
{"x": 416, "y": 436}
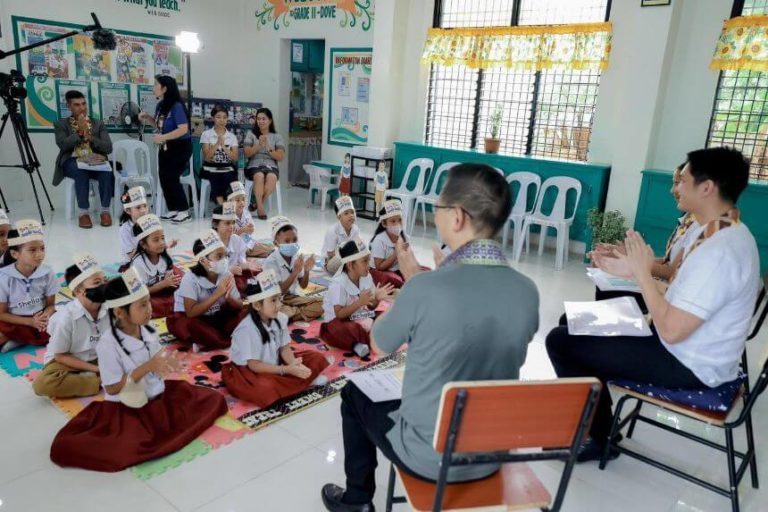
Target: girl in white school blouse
{"x": 134, "y": 207}
{"x": 340, "y": 233}
{"x": 70, "y": 361}
{"x": 350, "y": 302}
{"x": 223, "y": 222}
{"x": 142, "y": 417}
{"x": 154, "y": 265}
{"x": 385, "y": 267}
{"x": 27, "y": 288}
{"x": 207, "y": 305}
{"x": 264, "y": 369}
{"x": 244, "y": 226}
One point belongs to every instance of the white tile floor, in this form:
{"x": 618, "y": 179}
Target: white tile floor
{"x": 282, "y": 467}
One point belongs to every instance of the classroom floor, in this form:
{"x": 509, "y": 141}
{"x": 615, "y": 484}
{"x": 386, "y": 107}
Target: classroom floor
{"x": 283, "y": 467}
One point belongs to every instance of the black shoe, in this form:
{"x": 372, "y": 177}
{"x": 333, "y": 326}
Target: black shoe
{"x": 593, "y": 450}
{"x": 332, "y": 499}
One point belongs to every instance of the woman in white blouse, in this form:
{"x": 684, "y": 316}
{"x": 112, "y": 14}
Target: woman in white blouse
{"x": 220, "y": 154}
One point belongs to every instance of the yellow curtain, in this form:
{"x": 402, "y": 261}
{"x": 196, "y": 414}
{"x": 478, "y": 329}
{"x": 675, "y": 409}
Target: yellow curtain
{"x": 577, "y": 46}
{"x": 743, "y": 44}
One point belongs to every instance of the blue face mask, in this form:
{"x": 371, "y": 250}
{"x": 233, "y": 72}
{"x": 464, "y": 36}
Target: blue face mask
{"x": 288, "y": 250}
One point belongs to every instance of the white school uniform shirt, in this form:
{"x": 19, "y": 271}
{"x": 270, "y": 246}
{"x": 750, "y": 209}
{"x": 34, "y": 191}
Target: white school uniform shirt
{"x": 343, "y": 292}
{"x": 242, "y": 221}
{"x": 382, "y": 247}
{"x": 718, "y": 283}
{"x": 283, "y": 269}
{"x": 247, "y": 342}
{"x": 148, "y": 273}
{"x": 200, "y": 288}
{"x": 236, "y": 250}
{"x": 128, "y": 242}
{"x": 684, "y": 241}
{"x": 26, "y": 296}
{"x": 75, "y": 332}
{"x": 336, "y": 237}
{"x": 114, "y": 362}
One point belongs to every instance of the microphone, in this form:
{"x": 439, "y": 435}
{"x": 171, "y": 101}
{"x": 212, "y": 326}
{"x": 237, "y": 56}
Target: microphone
{"x": 103, "y": 39}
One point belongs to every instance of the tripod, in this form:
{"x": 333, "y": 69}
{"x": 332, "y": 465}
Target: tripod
{"x": 29, "y": 161}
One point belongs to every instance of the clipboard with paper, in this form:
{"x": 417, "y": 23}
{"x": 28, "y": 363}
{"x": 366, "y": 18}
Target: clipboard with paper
{"x": 614, "y": 317}
{"x": 380, "y": 385}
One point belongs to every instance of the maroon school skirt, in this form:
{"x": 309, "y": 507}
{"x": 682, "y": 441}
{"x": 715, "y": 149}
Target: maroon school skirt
{"x": 264, "y": 389}
{"x": 344, "y": 334}
{"x": 162, "y": 302}
{"x": 382, "y": 277}
{"x": 24, "y": 334}
{"x": 211, "y": 332}
{"x": 241, "y": 281}
{"x": 110, "y": 436}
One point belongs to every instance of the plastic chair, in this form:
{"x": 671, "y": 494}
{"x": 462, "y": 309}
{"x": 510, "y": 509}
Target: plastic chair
{"x": 277, "y": 192}
{"x": 406, "y": 195}
{"x": 320, "y": 181}
{"x": 188, "y": 180}
{"x": 430, "y": 197}
{"x": 555, "y": 219}
{"x": 476, "y": 426}
{"x": 520, "y": 205}
{"x": 133, "y": 156}
{"x": 70, "y": 201}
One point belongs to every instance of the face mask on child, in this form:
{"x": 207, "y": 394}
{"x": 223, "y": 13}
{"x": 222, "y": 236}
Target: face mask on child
{"x": 289, "y": 250}
{"x": 220, "y": 266}
{"x": 395, "y": 229}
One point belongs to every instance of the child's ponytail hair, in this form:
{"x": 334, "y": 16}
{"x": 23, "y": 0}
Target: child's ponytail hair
{"x": 253, "y": 289}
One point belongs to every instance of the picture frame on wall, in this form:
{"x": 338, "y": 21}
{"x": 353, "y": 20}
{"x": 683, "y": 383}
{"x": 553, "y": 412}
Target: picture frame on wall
{"x": 654, "y": 3}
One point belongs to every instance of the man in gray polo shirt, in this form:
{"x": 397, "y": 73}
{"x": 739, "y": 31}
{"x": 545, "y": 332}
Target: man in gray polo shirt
{"x": 470, "y": 319}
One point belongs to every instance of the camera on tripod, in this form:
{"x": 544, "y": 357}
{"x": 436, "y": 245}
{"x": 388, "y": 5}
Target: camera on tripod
{"x": 12, "y": 85}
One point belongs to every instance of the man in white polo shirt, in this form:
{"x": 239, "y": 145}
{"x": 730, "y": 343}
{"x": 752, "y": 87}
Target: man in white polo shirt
{"x": 701, "y": 321}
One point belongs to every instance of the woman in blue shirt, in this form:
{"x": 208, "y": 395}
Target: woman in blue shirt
{"x": 175, "y": 141}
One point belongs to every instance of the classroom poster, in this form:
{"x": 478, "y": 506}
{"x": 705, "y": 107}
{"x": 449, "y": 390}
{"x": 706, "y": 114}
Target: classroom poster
{"x": 133, "y": 60}
{"x": 63, "y": 87}
{"x": 348, "y": 112}
{"x": 147, "y": 99}
{"x": 51, "y": 60}
{"x": 90, "y": 63}
{"x": 168, "y": 60}
{"x": 112, "y": 97}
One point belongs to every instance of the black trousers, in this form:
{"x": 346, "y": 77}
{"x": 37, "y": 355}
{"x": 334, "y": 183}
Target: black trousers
{"x": 219, "y": 182}
{"x": 601, "y": 295}
{"x": 365, "y": 425}
{"x": 616, "y": 357}
{"x": 171, "y": 164}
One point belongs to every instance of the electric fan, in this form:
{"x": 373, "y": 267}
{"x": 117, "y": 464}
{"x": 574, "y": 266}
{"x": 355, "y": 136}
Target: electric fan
{"x": 129, "y": 119}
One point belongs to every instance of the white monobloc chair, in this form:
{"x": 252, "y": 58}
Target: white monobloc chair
{"x": 187, "y": 180}
{"x": 322, "y": 181}
{"x": 277, "y": 193}
{"x": 430, "y": 196}
{"x": 133, "y": 156}
{"x": 555, "y": 219}
{"x": 423, "y": 166}
{"x": 70, "y": 201}
{"x": 526, "y": 180}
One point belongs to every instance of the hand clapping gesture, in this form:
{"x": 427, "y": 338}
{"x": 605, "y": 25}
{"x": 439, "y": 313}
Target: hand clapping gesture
{"x": 383, "y": 293}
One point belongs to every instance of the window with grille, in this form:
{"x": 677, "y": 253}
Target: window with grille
{"x": 546, "y": 113}
{"x": 740, "y": 114}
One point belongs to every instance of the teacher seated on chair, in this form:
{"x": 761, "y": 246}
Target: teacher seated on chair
{"x": 220, "y": 155}
{"x": 84, "y": 141}
{"x": 470, "y": 319}
{"x": 264, "y": 148}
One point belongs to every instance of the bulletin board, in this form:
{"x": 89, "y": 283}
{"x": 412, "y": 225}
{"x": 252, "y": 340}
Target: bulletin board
{"x": 349, "y": 94}
{"x": 107, "y": 78}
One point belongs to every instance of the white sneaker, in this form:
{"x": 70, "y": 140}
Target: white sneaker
{"x": 9, "y": 345}
{"x": 170, "y": 215}
{"x": 181, "y": 217}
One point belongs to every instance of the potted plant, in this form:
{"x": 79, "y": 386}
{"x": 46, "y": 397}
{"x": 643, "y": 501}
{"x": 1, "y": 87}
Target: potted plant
{"x": 607, "y": 227}
{"x": 493, "y": 142}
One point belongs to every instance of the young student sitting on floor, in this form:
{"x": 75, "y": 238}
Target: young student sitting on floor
{"x": 5, "y": 227}
{"x": 385, "y": 267}
{"x": 27, "y": 288}
{"x": 70, "y": 362}
{"x": 154, "y": 265}
{"x": 350, "y": 302}
{"x": 223, "y": 222}
{"x": 207, "y": 305}
{"x": 292, "y": 271}
{"x": 134, "y": 206}
{"x": 340, "y": 233}
{"x": 244, "y": 226}
{"x": 264, "y": 368}
{"x": 142, "y": 417}
{"x": 700, "y": 322}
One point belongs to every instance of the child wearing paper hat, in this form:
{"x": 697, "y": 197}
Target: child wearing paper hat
{"x": 264, "y": 368}
{"x": 340, "y": 233}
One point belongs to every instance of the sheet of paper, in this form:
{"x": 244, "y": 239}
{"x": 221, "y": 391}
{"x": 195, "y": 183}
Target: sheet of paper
{"x": 609, "y": 283}
{"x": 105, "y": 167}
{"x": 380, "y": 385}
{"x": 614, "y": 317}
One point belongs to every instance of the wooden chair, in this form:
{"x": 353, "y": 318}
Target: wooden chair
{"x": 507, "y": 421}
{"x": 719, "y": 419}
